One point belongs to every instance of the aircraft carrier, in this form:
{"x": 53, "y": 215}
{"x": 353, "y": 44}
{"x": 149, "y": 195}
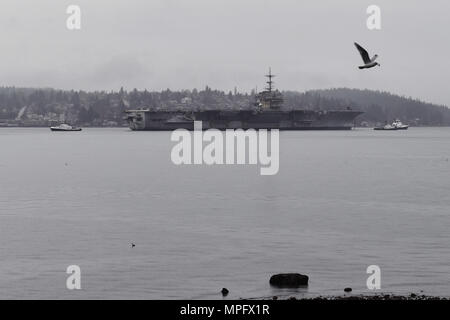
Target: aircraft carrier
{"x": 267, "y": 113}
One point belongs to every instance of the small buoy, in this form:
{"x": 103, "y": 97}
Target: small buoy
{"x": 225, "y": 292}
{"x": 133, "y": 245}
{"x": 348, "y": 289}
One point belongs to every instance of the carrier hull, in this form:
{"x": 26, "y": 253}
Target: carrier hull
{"x": 248, "y": 119}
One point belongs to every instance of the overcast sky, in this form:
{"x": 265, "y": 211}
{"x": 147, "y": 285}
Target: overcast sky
{"x": 182, "y": 44}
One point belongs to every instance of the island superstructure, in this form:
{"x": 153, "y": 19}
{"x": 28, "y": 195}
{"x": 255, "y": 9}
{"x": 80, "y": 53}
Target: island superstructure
{"x": 267, "y": 113}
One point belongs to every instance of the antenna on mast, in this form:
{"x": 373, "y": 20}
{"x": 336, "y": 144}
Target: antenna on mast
{"x": 270, "y": 76}
{"x": 270, "y": 98}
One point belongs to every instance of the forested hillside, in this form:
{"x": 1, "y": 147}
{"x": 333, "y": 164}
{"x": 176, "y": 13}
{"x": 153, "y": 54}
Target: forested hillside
{"x": 41, "y": 107}
{"x": 384, "y": 106}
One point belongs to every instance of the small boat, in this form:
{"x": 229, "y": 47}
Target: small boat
{"x": 399, "y": 125}
{"x": 396, "y": 125}
{"x": 65, "y": 127}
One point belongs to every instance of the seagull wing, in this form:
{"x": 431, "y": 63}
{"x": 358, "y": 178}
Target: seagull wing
{"x": 363, "y": 53}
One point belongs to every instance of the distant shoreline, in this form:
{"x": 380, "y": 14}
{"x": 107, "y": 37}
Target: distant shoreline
{"x": 126, "y": 127}
{"x": 43, "y": 127}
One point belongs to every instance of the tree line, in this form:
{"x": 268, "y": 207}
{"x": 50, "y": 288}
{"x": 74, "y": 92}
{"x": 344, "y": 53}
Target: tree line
{"x": 98, "y": 107}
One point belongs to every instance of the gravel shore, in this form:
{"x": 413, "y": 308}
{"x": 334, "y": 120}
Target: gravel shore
{"x": 381, "y": 297}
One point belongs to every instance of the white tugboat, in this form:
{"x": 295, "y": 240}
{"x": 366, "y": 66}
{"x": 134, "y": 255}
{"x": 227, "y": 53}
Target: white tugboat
{"x": 399, "y": 125}
{"x": 396, "y": 125}
{"x": 65, "y": 127}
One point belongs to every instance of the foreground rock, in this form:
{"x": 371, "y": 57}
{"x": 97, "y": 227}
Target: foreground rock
{"x": 225, "y": 292}
{"x": 289, "y": 280}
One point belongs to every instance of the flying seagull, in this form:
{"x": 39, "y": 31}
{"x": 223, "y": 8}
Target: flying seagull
{"x": 368, "y": 62}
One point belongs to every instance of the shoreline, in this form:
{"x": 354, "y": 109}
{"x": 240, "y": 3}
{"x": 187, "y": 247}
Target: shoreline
{"x": 362, "y": 297}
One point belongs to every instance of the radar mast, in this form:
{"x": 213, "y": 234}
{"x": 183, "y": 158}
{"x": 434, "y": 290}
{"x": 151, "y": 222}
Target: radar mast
{"x": 270, "y": 98}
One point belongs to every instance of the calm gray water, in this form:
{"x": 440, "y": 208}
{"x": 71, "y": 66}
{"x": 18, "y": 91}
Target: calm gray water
{"x": 342, "y": 201}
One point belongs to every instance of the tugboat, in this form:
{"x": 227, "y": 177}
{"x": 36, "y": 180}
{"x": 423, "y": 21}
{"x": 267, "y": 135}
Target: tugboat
{"x": 65, "y": 127}
{"x": 396, "y": 125}
{"x": 399, "y": 125}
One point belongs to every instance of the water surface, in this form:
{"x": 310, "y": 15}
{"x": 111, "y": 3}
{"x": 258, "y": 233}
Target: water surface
{"x": 342, "y": 201}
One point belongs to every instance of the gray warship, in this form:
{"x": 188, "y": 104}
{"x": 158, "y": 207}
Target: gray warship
{"x": 266, "y": 113}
